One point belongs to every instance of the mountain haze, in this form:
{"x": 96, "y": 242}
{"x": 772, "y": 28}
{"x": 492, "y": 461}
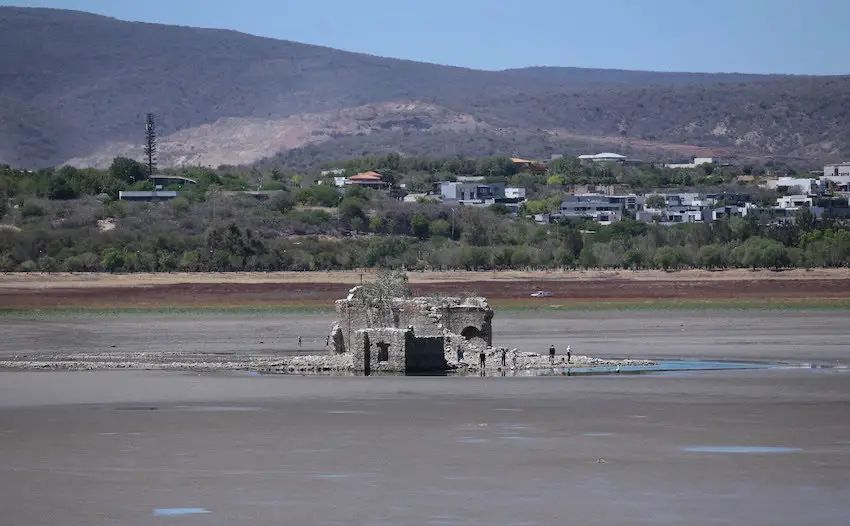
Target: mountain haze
{"x": 75, "y": 87}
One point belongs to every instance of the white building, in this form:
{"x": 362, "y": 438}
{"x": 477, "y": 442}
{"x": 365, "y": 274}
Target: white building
{"x": 837, "y": 170}
{"x": 793, "y": 202}
{"x": 794, "y": 184}
{"x": 606, "y": 157}
{"x": 514, "y": 192}
{"x": 698, "y": 161}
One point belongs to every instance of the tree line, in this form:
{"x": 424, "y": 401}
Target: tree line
{"x": 68, "y": 219}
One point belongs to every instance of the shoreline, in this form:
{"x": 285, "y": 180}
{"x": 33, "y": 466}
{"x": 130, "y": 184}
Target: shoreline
{"x": 294, "y": 365}
{"x": 522, "y": 306}
{"x": 41, "y": 280}
{"x": 303, "y": 292}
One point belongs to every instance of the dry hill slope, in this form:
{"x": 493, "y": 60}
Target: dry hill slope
{"x": 75, "y": 85}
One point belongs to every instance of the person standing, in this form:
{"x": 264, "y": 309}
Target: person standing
{"x": 482, "y": 361}
{"x": 504, "y": 357}
{"x": 299, "y": 341}
{"x": 569, "y": 354}
{"x": 552, "y": 355}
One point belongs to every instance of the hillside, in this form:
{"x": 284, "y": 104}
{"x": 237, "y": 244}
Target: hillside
{"x": 75, "y": 86}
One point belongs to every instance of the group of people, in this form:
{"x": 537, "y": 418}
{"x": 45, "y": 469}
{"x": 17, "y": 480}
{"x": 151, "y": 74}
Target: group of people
{"x": 482, "y": 357}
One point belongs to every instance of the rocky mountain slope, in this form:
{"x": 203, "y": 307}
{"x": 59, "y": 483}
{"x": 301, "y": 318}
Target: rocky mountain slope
{"x": 75, "y": 87}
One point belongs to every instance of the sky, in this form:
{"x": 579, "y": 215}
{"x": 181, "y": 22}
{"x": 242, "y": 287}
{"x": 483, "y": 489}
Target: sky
{"x": 746, "y": 36}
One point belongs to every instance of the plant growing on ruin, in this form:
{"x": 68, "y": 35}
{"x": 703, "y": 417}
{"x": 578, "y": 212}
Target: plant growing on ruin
{"x": 388, "y": 285}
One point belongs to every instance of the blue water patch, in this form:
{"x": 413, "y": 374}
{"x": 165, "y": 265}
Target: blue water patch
{"x": 178, "y": 512}
{"x": 667, "y": 367}
{"x": 469, "y": 440}
{"x": 740, "y": 449}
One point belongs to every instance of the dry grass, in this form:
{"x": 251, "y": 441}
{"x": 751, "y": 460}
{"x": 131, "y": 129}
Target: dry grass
{"x": 67, "y": 280}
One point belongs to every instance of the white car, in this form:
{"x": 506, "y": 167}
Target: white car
{"x": 541, "y": 294}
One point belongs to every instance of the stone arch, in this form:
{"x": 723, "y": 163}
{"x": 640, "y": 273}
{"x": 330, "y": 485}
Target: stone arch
{"x": 471, "y": 332}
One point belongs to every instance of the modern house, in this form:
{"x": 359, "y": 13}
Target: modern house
{"x": 837, "y": 170}
{"x": 675, "y": 215}
{"x": 164, "y": 181}
{"x": 836, "y": 183}
{"x": 603, "y": 209}
{"x": 457, "y": 191}
{"x": 794, "y": 185}
{"x": 698, "y": 161}
{"x": 155, "y": 195}
{"x": 514, "y": 192}
{"x": 606, "y": 157}
{"x": 793, "y": 202}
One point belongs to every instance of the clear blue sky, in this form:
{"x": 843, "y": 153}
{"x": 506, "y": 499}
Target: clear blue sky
{"x": 750, "y": 36}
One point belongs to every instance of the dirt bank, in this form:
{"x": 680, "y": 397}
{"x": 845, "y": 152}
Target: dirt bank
{"x": 319, "y": 289}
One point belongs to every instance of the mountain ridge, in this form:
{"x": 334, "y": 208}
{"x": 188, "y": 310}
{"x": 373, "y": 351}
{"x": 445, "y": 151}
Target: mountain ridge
{"x": 76, "y": 84}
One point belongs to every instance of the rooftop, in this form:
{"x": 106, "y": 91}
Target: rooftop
{"x": 366, "y": 176}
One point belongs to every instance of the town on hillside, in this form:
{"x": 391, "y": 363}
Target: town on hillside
{"x": 824, "y": 193}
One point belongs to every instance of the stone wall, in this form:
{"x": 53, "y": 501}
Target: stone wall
{"x": 470, "y": 318}
{"x": 376, "y": 350}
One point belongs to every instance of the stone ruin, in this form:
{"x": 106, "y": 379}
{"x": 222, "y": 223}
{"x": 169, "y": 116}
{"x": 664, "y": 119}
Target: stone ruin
{"x": 417, "y": 334}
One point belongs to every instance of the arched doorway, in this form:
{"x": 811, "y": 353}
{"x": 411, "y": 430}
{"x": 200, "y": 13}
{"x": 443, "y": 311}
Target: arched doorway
{"x": 470, "y": 333}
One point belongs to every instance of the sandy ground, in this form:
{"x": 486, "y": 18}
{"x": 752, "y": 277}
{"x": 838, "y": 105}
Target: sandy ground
{"x": 800, "y": 336}
{"x": 320, "y": 289}
{"x": 112, "y": 447}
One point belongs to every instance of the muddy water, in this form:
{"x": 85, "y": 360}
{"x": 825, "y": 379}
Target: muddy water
{"x": 767, "y": 446}
{"x": 751, "y": 446}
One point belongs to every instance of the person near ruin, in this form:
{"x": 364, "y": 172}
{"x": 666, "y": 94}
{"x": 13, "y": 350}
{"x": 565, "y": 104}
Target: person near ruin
{"x": 459, "y": 354}
{"x": 327, "y": 340}
{"x": 552, "y": 355}
{"x": 513, "y": 359}
{"x": 299, "y": 341}
{"x": 569, "y": 354}
{"x": 504, "y": 357}
{"x": 482, "y": 360}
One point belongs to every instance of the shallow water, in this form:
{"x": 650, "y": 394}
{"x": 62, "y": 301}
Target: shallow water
{"x": 178, "y": 512}
{"x": 762, "y": 446}
{"x": 740, "y": 449}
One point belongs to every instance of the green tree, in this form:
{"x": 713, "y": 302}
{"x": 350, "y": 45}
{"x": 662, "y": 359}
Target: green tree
{"x": 656, "y": 202}
{"x": 190, "y": 260}
{"x": 670, "y": 257}
{"x": 419, "y": 226}
{"x": 59, "y": 188}
{"x": 127, "y": 170}
{"x": 282, "y": 202}
{"x": 711, "y": 257}
{"x": 441, "y": 228}
{"x": 555, "y": 180}
{"x": 319, "y": 195}
{"x": 111, "y": 259}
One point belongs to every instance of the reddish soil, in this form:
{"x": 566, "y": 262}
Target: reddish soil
{"x": 322, "y": 294}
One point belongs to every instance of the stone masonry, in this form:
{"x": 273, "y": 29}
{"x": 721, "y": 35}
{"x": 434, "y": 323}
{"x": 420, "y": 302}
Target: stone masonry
{"x": 452, "y": 318}
{"x": 376, "y": 350}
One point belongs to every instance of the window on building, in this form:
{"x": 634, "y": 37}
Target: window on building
{"x": 383, "y": 351}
